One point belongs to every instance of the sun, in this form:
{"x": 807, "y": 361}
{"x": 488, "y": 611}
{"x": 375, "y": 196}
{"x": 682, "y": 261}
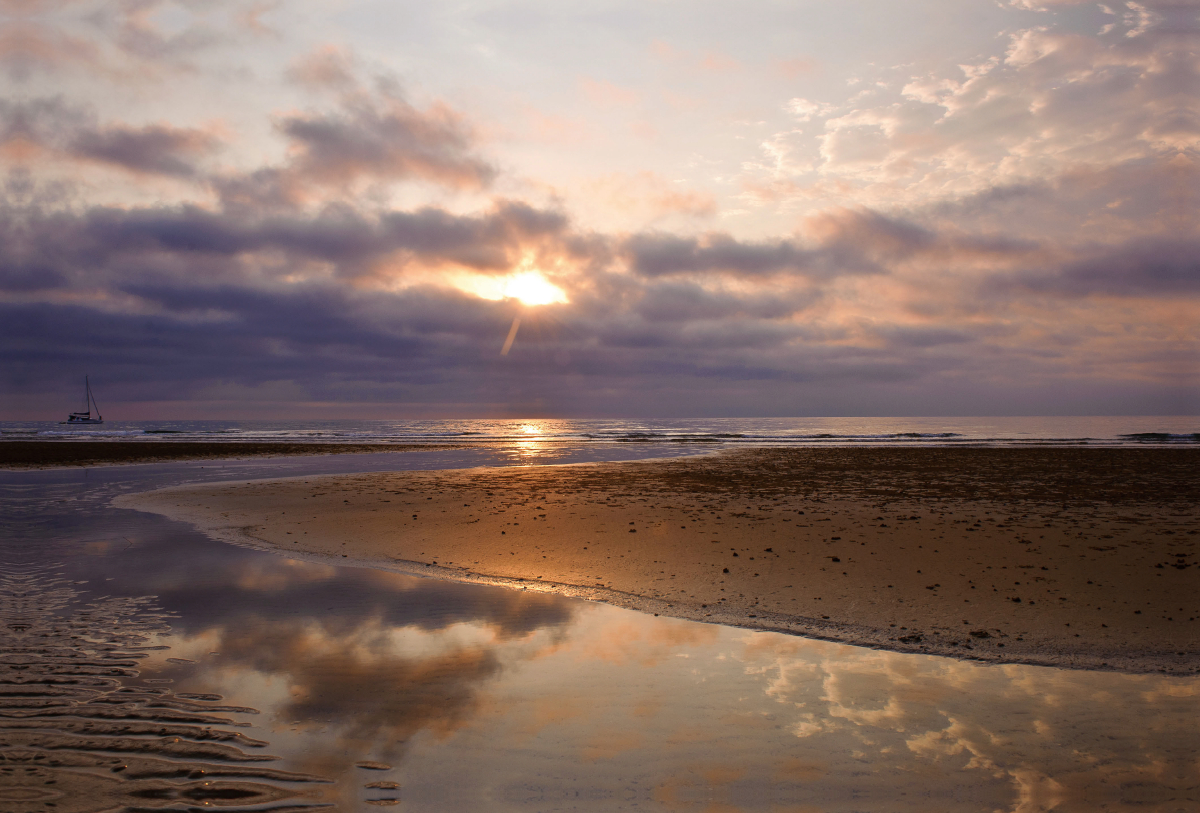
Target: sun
{"x": 531, "y": 288}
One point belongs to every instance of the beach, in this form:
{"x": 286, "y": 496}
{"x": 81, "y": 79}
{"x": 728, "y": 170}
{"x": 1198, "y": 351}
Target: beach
{"x": 1070, "y": 557}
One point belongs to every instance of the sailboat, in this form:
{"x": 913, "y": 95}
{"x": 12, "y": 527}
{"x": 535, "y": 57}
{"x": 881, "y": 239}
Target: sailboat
{"x": 89, "y": 401}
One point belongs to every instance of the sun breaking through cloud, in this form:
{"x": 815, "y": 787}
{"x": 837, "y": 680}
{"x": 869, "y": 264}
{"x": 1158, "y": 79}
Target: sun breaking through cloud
{"x": 988, "y": 209}
{"x": 531, "y": 288}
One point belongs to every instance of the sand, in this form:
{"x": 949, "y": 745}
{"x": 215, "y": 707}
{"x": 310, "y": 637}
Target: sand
{"x": 1076, "y": 557}
{"x": 37, "y": 454}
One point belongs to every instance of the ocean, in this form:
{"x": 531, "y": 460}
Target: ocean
{"x": 549, "y": 432}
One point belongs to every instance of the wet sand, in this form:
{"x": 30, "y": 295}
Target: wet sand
{"x": 1072, "y": 557}
{"x": 82, "y": 734}
{"x": 37, "y": 454}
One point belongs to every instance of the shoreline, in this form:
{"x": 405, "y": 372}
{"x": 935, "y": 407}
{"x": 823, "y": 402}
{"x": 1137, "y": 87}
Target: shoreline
{"x": 996, "y": 555}
{"x": 24, "y": 455}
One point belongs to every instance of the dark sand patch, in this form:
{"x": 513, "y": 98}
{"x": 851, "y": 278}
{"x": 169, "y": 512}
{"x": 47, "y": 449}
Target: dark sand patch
{"x": 34, "y": 454}
{"x": 1071, "y": 557}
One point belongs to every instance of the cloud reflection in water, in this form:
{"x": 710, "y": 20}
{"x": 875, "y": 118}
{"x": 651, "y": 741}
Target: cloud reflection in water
{"x": 526, "y": 700}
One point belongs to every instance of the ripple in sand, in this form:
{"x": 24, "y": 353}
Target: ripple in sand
{"x": 78, "y": 735}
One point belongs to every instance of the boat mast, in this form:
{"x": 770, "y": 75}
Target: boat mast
{"x": 91, "y": 399}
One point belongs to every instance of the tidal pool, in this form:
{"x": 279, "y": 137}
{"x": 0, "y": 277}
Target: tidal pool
{"x": 146, "y": 667}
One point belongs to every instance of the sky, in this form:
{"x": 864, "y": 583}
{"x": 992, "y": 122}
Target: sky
{"x": 486, "y": 208}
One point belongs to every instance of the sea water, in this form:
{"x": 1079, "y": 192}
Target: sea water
{"x": 1004, "y": 431}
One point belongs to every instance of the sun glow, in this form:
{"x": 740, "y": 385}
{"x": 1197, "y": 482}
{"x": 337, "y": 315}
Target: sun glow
{"x": 526, "y": 284}
{"x": 531, "y": 288}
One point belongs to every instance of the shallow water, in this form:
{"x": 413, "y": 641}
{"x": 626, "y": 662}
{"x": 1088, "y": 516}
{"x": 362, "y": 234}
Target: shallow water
{"x": 146, "y": 667}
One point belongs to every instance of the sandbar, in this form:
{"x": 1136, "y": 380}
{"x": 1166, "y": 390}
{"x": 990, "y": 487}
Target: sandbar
{"x": 1072, "y": 557}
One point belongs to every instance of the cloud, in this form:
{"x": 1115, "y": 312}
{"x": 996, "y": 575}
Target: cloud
{"x": 356, "y": 306}
{"x": 657, "y": 255}
{"x": 924, "y": 337}
{"x": 155, "y": 148}
{"x": 686, "y": 301}
{"x": 326, "y": 68}
{"x": 121, "y": 245}
{"x": 841, "y": 241}
{"x": 979, "y": 232}
{"x": 370, "y": 136}
{"x": 143, "y": 42}
{"x": 804, "y": 109}
{"x": 385, "y": 138}
{"x": 70, "y": 132}
{"x": 1052, "y": 102}
{"x": 26, "y": 48}
{"x": 1142, "y": 268}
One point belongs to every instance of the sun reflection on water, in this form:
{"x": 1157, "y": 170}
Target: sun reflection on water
{"x": 530, "y": 446}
